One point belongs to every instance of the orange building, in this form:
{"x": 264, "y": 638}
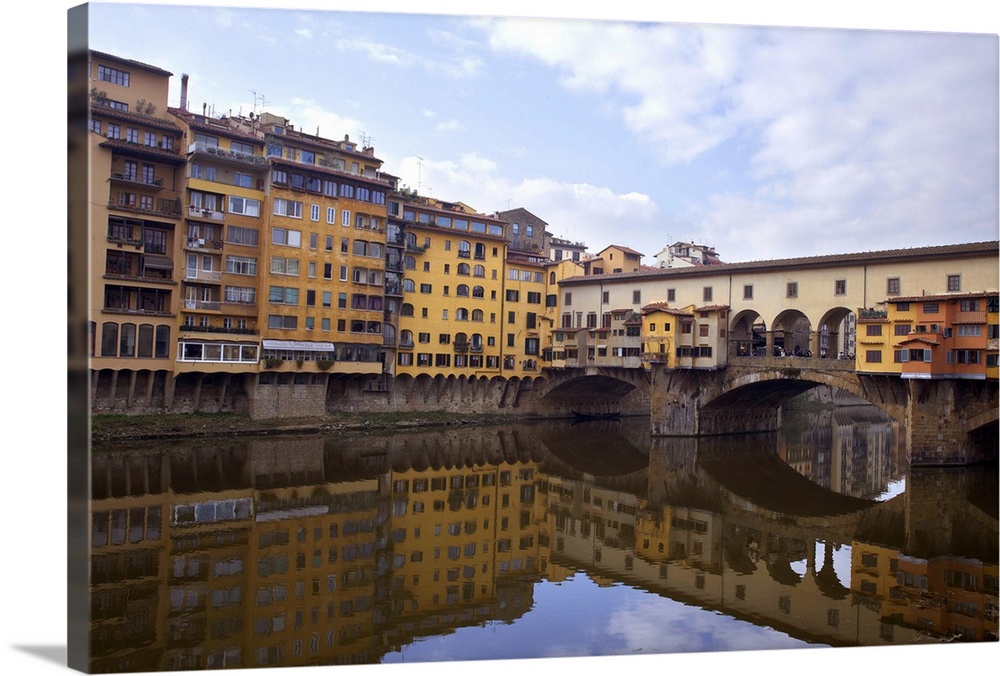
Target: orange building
{"x": 953, "y": 336}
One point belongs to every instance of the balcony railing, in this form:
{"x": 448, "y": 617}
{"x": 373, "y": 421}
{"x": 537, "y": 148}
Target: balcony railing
{"x": 203, "y": 275}
{"x": 192, "y": 304}
{"x": 199, "y": 243}
{"x": 170, "y": 208}
{"x": 196, "y": 212}
{"x": 224, "y": 153}
{"x": 134, "y": 178}
{"x": 970, "y": 317}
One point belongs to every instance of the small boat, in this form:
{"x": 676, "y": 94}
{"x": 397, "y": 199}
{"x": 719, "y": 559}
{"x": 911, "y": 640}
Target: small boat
{"x": 596, "y": 416}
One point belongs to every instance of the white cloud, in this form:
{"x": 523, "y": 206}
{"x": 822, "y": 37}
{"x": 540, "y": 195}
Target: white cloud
{"x": 309, "y": 116}
{"x": 883, "y": 138}
{"x": 448, "y": 126}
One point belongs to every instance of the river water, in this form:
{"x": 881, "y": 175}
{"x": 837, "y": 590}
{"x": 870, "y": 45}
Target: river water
{"x": 547, "y": 539}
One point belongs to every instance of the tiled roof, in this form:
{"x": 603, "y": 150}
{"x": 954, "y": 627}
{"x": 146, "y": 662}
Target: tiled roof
{"x": 219, "y": 127}
{"x": 926, "y": 341}
{"x": 947, "y": 250}
{"x": 131, "y": 62}
{"x": 942, "y": 296}
{"x": 124, "y": 116}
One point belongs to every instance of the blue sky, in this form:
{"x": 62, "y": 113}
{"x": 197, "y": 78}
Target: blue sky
{"x": 776, "y": 145}
{"x": 762, "y": 142}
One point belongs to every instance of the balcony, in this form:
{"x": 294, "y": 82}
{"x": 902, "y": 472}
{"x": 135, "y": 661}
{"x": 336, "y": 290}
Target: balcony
{"x": 171, "y": 208}
{"x": 207, "y": 214}
{"x": 193, "y": 274}
{"x": 232, "y": 156}
{"x": 198, "y": 244}
{"x": 133, "y": 179}
{"x": 970, "y": 317}
{"x": 461, "y": 348}
{"x": 193, "y": 304}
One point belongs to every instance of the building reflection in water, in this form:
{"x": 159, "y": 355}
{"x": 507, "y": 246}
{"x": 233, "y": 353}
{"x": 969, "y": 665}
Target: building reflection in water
{"x": 333, "y": 550}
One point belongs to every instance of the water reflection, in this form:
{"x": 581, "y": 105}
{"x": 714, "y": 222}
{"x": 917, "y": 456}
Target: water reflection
{"x": 334, "y": 550}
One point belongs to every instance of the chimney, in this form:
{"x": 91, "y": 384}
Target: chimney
{"x": 184, "y": 91}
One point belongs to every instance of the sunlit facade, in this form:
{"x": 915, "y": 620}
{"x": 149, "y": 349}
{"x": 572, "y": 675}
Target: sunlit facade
{"x": 224, "y": 218}
{"x": 451, "y": 309}
{"x": 136, "y": 183}
{"x": 939, "y": 336}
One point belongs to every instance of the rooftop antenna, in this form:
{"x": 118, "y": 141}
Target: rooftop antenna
{"x": 420, "y": 167}
{"x": 263, "y": 101}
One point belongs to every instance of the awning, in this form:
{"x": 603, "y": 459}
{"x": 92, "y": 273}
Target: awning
{"x": 304, "y": 345}
{"x": 157, "y": 261}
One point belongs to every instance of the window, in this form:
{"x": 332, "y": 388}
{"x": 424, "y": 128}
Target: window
{"x": 954, "y": 282}
{"x": 281, "y": 322}
{"x": 568, "y": 298}
{"x": 873, "y": 356}
{"x": 748, "y": 292}
{"x": 706, "y": 294}
{"x": 241, "y": 265}
{"x": 892, "y": 286}
{"x": 314, "y": 212}
{"x": 284, "y": 266}
{"x": 792, "y": 290}
{"x": 113, "y": 75}
{"x": 290, "y": 208}
{"x": 240, "y": 294}
{"x": 873, "y": 330}
{"x": 286, "y": 237}
{"x": 636, "y": 296}
{"x": 283, "y": 295}
{"x": 244, "y": 206}
{"x": 840, "y": 287}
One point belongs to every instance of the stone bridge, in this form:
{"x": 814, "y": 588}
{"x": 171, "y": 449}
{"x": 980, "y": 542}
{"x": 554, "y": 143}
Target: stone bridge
{"x": 947, "y": 422}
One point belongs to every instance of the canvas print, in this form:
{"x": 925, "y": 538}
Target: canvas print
{"x": 403, "y": 338}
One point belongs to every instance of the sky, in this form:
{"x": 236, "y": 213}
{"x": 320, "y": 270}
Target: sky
{"x": 763, "y": 142}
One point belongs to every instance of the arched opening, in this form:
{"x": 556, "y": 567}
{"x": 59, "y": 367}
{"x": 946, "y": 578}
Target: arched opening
{"x": 791, "y": 335}
{"x": 747, "y": 334}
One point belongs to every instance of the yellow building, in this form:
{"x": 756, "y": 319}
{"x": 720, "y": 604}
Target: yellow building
{"x": 614, "y": 259}
{"x": 451, "y": 310}
{"x": 136, "y": 183}
{"x": 688, "y": 337}
{"x": 218, "y": 327}
{"x": 525, "y": 323}
{"x": 324, "y": 253}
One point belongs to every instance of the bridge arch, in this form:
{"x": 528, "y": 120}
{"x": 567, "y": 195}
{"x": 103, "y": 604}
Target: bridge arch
{"x": 790, "y": 332}
{"x": 789, "y": 382}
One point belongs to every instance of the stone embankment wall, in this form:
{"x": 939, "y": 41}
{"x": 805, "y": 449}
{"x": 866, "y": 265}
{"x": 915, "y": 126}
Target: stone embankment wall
{"x": 312, "y": 395}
